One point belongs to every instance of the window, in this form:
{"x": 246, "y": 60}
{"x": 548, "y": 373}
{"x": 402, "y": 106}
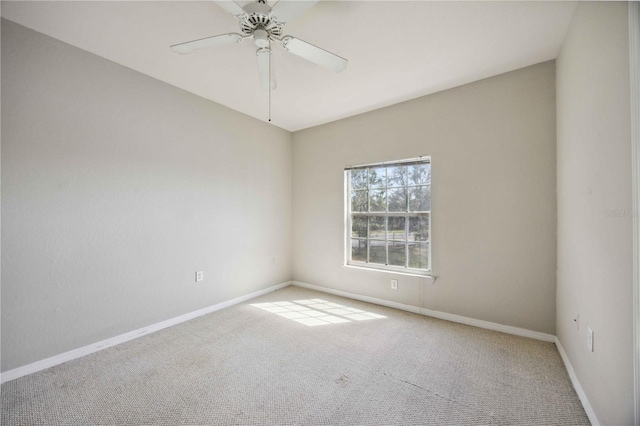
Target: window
{"x": 389, "y": 215}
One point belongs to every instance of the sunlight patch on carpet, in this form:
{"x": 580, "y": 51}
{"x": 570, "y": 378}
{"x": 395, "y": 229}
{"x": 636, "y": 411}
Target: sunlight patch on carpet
{"x": 312, "y": 312}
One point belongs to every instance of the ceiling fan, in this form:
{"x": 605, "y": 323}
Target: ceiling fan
{"x": 263, "y": 24}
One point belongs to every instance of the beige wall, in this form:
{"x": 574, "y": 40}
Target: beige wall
{"x": 594, "y": 178}
{"x": 494, "y": 202}
{"x": 116, "y": 188}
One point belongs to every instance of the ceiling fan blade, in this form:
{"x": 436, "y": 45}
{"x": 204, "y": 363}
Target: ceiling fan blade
{"x": 314, "y": 54}
{"x": 287, "y": 10}
{"x": 265, "y": 68}
{"x": 190, "y": 46}
{"x": 231, "y": 6}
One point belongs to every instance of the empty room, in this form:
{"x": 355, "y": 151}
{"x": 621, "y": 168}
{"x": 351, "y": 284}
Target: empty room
{"x": 320, "y": 212}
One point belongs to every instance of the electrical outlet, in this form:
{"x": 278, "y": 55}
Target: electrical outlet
{"x": 394, "y": 284}
{"x": 273, "y": 260}
{"x": 576, "y": 320}
{"x": 199, "y": 276}
{"x": 590, "y": 339}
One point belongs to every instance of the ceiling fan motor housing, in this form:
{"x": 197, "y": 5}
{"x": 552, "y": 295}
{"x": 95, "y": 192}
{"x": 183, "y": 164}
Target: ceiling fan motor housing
{"x": 258, "y": 17}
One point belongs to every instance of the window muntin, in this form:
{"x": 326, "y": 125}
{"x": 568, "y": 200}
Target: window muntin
{"x": 389, "y": 215}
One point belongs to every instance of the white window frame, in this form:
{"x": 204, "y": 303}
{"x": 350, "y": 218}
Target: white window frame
{"x": 406, "y": 214}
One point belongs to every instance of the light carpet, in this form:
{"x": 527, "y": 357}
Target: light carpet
{"x": 296, "y": 356}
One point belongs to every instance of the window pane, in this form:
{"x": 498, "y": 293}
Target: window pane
{"x": 359, "y": 179}
{"x": 420, "y": 174}
{"x": 377, "y": 200}
{"x": 418, "y": 257}
{"x": 359, "y": 226}
{"x": 377, "y": 252}
{"x": 397, "y": 253}
{"x": 420, "y": 199}
{"x": 396, "y": 230}
{"x": 419, "y": 228}
{"x": 389, "y": 214}
{"x": 398, "y": 200}
{"x": 359, "y": 201}
{"x": 397, "y": 176}
{"x": 376, "y": 228}
{"x": 359, "y": 250}
{"x": 378, "y": 177}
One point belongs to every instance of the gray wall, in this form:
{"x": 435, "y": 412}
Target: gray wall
{"x": 494, "y": 198}
{"x": 594, "y": 188}
{"x": 116, "y": 188}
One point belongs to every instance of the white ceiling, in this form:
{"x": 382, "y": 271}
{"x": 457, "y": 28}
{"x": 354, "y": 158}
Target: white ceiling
{"x": 397, "y": 50}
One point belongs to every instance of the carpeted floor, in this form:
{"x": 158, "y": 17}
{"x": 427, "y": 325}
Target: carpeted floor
{"x": 294, "y": 357}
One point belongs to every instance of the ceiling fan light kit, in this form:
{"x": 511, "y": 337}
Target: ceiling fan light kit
{"x": 264, "y": 25}
{"x": 261, "y": 38}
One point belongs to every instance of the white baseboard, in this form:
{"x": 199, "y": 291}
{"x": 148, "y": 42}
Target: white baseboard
{"x": 95, "y": 347}
{"x": 374, "y": 300}
{"x": 436, "y": 314}
{"x": 508, "y": 329}
{"x": 576, "y": 385}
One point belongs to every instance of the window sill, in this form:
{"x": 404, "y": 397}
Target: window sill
{"x": 427, "y": 274}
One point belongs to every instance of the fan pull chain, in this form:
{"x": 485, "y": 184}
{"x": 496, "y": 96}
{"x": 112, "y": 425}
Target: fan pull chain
{"x": 270, "y": 82}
